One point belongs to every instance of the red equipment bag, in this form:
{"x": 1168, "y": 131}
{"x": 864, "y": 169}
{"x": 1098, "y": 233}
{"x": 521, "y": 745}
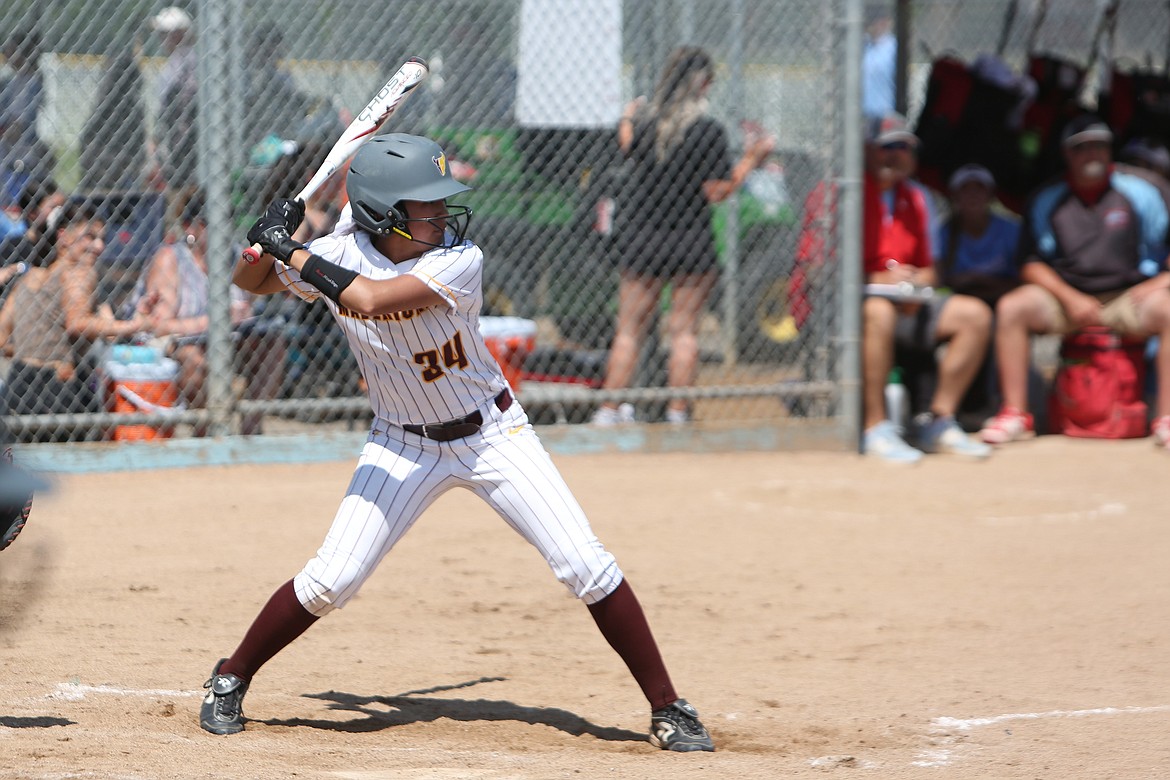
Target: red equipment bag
{"x": 1098, "y": 389}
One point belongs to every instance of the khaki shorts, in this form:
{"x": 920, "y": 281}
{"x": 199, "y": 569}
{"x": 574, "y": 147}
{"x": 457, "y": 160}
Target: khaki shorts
{"x": 1120, "y": 313}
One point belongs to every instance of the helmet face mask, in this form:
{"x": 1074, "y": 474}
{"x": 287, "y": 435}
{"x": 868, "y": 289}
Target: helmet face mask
{"x": 456, "y": 220}
{"x": 398, "y": 167}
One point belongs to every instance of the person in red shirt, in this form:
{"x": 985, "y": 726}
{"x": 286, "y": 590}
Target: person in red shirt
{"x": 896, "y": 250}
{"x": 896, "y": 253}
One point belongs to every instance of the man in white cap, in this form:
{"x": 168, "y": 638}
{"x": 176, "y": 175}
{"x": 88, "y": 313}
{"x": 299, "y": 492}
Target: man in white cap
{"x": 1092, "y": 253}
{"x": 175, "y": 141}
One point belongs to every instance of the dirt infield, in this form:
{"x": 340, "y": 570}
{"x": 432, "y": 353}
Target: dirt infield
{"x": 828, "y": 616}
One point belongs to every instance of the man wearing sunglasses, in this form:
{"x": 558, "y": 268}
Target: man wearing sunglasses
{"x": 896, "y": 253}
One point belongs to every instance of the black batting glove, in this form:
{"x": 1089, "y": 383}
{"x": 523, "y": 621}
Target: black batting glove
{"x": 272, "y": 234}
{"x": 291, "y": 212}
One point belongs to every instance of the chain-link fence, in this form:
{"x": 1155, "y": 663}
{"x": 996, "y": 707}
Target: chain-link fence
{"x": 174, "y": 125}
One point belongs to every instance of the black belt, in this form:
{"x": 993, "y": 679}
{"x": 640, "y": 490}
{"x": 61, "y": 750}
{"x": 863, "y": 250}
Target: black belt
{"x": 460, "y": 427}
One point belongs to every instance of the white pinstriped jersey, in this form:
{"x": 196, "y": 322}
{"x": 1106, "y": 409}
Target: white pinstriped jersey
{"x": 422, "y": 366}
{"x": 431, "y": 366}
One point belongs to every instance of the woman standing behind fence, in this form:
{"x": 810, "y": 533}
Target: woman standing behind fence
{"x": 680, "y": 166}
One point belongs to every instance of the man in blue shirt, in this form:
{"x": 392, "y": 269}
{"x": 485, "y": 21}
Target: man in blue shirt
{"x": 879, "y": 62}
{"x": 976, "y": 250}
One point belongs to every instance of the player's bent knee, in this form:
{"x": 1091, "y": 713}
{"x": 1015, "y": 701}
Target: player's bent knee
{"x": 591, "y": 583}
{"x": 314, "y": 597}
{"x": 322, "y": 588}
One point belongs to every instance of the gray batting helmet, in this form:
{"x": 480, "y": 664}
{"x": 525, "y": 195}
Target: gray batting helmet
{"x": 392, "y": 168}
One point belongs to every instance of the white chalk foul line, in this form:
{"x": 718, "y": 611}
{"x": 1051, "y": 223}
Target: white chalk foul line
{"x": 77, "y": 692}
{"x": 942, "y": 751}
{"x": 970, "y": 723}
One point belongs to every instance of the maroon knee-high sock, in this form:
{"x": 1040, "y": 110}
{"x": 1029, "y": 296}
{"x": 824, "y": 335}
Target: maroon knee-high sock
{"x": 281, "y": 621}
{"x": 624, "y": 626}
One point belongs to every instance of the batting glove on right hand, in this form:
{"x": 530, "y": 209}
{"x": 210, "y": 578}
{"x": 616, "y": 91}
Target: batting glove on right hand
{"x": 292, "y": 212}
{"x": 272, "y": 234}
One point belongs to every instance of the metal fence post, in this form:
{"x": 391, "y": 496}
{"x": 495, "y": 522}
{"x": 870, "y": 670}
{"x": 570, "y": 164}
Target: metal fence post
{"x": 214, "y": 149}
{"x": 731, "y": 285}
{"x": 850, "y": 225}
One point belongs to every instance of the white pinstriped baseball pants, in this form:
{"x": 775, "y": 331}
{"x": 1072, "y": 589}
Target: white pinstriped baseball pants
{"x": 400, "y": 474}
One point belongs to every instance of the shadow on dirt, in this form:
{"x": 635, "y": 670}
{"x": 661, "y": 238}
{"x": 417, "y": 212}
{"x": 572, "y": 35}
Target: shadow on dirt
{"x": 384, "y": 712}
{"x": 33, "y": 722}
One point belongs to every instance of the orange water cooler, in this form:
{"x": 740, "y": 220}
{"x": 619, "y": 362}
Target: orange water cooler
{"x": 510, "y": 340}
{"x": 138, "y": 382}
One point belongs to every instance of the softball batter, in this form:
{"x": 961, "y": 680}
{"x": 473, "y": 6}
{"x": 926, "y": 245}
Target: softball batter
{"x": 405, "y": 286}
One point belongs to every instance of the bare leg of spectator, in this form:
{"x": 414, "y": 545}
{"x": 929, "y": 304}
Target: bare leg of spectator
{"x": 637, "y": 297}
{"x": 192, "y": 379}
{"x": 688, "y": 296}
{"x": 877, "y": 357}
{"x": 1020, "y": 313}
{"x": 1155, "y": 316}
{"x": 965, "y": 326}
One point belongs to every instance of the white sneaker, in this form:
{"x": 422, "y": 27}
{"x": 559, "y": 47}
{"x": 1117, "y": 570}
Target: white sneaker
{"x": 677, "y": 416}
{"x": 943, "y": 434}
{"x": 882, "y": 441}
{"x": 607, "y": 416}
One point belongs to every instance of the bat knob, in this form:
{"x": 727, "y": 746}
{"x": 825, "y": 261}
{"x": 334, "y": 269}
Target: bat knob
{"x": 251, "y": 255}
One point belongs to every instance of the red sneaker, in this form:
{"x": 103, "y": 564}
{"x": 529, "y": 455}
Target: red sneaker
{"x": 1161, "y": 431}
{"x": 1010, "y": 424}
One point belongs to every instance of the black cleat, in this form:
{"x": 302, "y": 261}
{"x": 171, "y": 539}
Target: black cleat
{"x": 223, "y": 707}
{"x": 676, "y": 727}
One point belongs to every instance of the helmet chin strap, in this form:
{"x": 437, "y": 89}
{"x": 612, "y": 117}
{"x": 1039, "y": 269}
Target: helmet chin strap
{"x": 409, "y": 237}
{"x": 401, "y": 229}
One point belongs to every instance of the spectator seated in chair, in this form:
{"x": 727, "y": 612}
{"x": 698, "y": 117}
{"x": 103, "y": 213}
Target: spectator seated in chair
{"x": 1092, "y": 253}
{"x": 896, "y": 249}
{"x": 976, "y": 256}
{"x": 175, "y": 281}
{"x": 50, "y": 318}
